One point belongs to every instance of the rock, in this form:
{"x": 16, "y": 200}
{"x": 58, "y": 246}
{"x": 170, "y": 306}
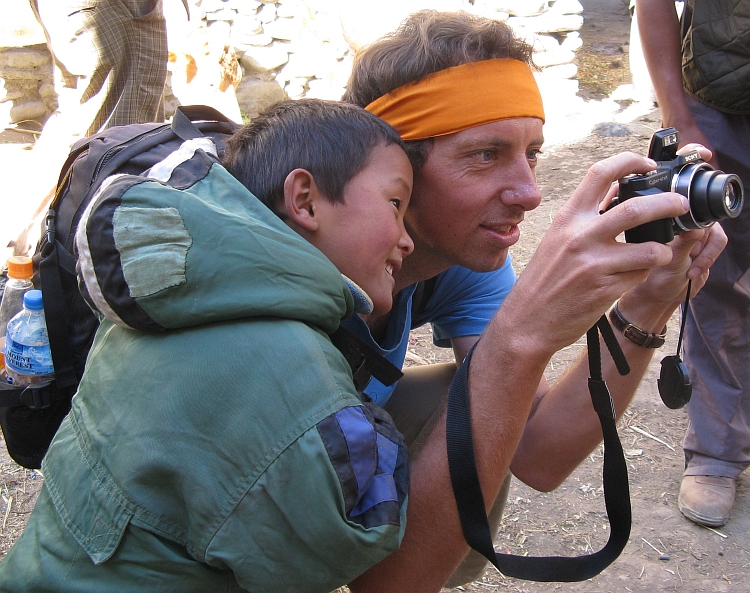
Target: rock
{"x": 27, "y": 110}
{"x": 290, "y": 9}
{"x": 47, "y": 91}
{"x": 522, "y": 7}
{"x": 572, "y": 41}
{"x": 609, "y": 129}
{"x": 295, "y": 88}
{"x": 263, "y": 59}
{"x": 247, "y": 7}
{"x": 221, "y": 15}
{"x": 560, "y": 72}
{"x": 253, "y": 96}
{"x": 23, "y": 59}
{"x": 212, "y": 5}
{"x": 266, "y": 14}
{"x": 548, "y": 23}
{"x": 324, "y": 89}
{"x": 260, "y": 40}
{"x": 606, "y": 49}
{"x": 566, "y": 7}
{"x": 554, "y": 58}
{"x": 285, "y": 29}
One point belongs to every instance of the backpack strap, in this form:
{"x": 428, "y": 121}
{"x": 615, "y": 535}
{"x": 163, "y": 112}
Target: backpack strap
{"x": 54, "y": 306}
{"x": 364, "y": 360}
{"x": 185, "y": 115}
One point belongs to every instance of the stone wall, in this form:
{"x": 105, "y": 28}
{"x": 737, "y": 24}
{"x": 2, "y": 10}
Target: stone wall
{"x": 271, "y": 49}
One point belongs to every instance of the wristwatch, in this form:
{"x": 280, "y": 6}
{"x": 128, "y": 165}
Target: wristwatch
{"x": 634, "y": 333}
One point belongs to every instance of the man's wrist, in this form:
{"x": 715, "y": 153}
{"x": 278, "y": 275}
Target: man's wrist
{"x": 635, "y": 333}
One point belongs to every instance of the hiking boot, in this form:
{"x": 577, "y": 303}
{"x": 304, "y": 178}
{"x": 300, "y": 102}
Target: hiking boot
{"x": 707, "y": 500}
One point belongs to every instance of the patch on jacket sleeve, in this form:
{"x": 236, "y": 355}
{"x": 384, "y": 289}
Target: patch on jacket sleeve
{"x": 153, "y": 245}
{"x": 371, "y": 461}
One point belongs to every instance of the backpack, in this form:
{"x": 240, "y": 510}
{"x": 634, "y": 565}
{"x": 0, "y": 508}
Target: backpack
{"x": 29, "y": 417}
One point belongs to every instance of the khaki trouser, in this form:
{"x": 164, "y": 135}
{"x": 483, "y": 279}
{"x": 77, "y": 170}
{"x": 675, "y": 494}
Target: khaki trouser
{"x": 416, "y": 406}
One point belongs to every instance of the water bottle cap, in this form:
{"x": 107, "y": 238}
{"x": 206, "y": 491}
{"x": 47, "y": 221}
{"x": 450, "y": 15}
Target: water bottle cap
{"x": 20, "y": 266}
{"x": 32, "y": 300}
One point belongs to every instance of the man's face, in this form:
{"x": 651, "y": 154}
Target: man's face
{"x": 472, "y": 193}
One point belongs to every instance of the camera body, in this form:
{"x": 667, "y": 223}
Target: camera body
{"x": 713, "y": 195}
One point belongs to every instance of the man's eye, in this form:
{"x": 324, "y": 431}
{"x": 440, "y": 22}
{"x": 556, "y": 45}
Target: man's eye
{"x": 486, "y": 155}
{"x": 534, "y": 153}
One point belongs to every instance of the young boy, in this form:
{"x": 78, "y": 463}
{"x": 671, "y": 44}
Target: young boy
{"x": 217, "y": 442}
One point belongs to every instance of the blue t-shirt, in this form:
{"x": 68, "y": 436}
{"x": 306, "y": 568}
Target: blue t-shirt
{"x": 462, "y": 304}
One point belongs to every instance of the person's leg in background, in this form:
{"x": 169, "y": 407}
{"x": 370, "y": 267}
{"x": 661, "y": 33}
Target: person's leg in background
{"x": 717, "y": 347}
{"x": 110, "y": 61}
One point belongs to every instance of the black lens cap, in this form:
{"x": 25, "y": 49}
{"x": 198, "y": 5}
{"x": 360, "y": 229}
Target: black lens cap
{"x": 674, "y": 383}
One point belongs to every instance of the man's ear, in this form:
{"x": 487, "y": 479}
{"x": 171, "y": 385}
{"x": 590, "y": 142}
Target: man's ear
{"x": 301, "y": 198}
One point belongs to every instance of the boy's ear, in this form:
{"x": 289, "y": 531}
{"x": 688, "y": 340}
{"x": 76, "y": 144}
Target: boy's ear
{"x": 301, "y": 199}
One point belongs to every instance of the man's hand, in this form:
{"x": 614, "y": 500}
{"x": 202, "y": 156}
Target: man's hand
{"x": 580, "y": 267}
{"x": 693, "y": 253}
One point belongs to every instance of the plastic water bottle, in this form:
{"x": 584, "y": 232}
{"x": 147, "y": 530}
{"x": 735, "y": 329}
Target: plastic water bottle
{"x": 27, "y": 355}
{"x": 20, "y": 271}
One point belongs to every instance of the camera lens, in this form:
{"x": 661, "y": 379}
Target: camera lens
{"x": 733, "y": 196}
{"x": 713, "y": 195}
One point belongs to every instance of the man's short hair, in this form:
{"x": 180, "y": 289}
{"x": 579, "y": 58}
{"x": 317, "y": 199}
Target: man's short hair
{"x": 333, "y": 141}
{"x": 426, "y": 42}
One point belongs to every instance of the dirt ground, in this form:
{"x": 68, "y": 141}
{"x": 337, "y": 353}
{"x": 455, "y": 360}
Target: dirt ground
{"x": 665, "y": 552}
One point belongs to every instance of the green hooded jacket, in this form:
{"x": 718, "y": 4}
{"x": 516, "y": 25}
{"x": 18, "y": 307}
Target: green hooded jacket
{"x": 216, "y": 432}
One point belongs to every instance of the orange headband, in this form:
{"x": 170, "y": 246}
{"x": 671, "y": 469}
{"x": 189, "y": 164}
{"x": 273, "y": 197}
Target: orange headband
{"x": 461, "y": 97}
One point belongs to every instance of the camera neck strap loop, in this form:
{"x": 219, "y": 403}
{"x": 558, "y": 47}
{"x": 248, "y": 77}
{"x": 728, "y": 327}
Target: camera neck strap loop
{"x": 468, "y": 493}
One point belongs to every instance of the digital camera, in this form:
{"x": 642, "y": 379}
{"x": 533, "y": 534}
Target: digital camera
{"x": 713, "y": 195}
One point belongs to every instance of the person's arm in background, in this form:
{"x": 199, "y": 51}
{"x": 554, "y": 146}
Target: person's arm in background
{"x": 659, "y": 28}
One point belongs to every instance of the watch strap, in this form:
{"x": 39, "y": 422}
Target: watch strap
{"x": 635, "y": 334}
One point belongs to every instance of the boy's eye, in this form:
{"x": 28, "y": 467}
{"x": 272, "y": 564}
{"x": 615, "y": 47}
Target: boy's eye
{"x": 397, "y": 203}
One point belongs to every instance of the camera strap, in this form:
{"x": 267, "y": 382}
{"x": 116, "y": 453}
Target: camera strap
{"x": 468, "y": 493}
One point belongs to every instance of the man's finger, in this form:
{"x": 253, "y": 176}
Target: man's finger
{"x": 642, "y": 209}
{"x": 600, "y": 176}
{"x": 712, "y": 248}
{"x": 704, "y": 152}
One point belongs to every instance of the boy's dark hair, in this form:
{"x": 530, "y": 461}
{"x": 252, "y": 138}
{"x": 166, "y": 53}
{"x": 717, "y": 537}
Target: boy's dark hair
{"x": 426, "y": 42}
{"x": 331, "y": 140}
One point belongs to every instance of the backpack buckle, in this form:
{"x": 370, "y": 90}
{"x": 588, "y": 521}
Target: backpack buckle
{"x": 48, "y": 233}
{"x": 38, "y": 396}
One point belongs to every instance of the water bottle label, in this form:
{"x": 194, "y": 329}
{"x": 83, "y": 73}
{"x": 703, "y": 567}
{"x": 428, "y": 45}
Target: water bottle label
{"x": 28, "y": 360}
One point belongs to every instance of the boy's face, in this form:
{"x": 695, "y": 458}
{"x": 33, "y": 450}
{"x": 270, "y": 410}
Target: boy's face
{"x": 365, "y": 236}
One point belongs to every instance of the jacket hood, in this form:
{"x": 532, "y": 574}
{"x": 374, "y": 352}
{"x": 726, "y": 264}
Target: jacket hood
{"x": 199, "y": 249}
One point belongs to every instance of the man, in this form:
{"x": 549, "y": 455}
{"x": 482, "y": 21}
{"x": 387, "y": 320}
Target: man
{"x": 701, "y": 72}
{"x": 473, "y": 125}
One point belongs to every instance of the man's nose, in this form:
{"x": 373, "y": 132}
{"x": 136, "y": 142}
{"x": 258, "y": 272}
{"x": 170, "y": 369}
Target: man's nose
{"x": 523, "y": 190}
